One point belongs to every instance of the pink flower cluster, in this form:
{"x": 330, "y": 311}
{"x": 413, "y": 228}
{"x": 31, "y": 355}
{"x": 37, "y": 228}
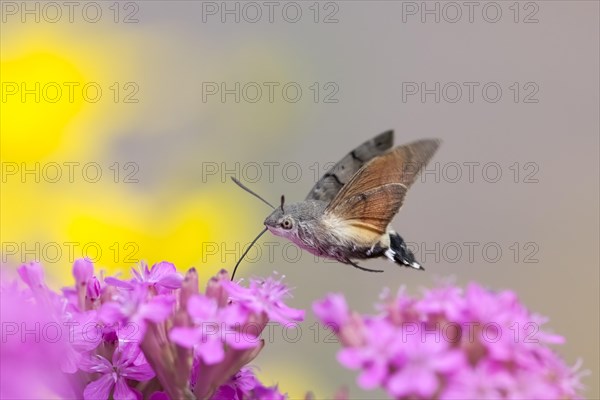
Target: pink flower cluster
{"x": 451, "y": 344}
{"x": 154, "y": 336}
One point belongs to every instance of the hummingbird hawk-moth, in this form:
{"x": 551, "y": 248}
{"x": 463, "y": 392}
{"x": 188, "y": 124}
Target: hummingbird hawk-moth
{"x": 346, "y": 215}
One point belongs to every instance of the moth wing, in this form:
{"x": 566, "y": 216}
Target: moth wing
{"x": 376, "y": 192}
{"x": 338, "y": 175}
{"x": 364, "y": 218}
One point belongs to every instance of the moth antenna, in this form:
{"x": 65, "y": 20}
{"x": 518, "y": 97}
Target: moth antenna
{"x": 282, "y": 201}
{"x": 240, "y": 184}
{"x": 246, "y": 252}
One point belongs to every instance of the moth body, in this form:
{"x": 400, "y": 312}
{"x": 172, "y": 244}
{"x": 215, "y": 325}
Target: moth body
{"x": 347, "y": 214}
{"x": 307, "y": 225}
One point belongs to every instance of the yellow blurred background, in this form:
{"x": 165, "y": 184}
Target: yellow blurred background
{"x": 112, "y": 148}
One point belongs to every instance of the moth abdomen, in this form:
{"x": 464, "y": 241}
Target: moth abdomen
{"x": 399, "y": 253}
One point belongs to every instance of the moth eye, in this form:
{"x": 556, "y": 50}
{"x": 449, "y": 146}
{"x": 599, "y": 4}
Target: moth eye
{"x": 286, "y": 224}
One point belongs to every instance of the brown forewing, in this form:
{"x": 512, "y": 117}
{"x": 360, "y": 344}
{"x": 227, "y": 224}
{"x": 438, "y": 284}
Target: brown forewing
{"x": 375, "y": 193}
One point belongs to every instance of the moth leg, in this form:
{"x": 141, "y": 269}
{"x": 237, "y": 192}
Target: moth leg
{"x": 362, "y": 268}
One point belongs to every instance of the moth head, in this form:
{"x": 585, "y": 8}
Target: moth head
{"x": 281, "y": 221}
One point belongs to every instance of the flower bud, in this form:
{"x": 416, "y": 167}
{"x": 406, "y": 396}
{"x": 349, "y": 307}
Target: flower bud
{"x": 83, "y": 269}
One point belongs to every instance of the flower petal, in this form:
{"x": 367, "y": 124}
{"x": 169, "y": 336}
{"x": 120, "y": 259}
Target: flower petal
{"x": 94, "y": 363}
{"x": 99, "y": 389}
{"x": 165, "y": 274}
{"x": 172, "y": 281}
{"x": 332, "y": 310}
{"x": 159, "y": 396}
{"x": 186, "y": 337}
{"x": 142, "y": 372}
{"x": 83, "y": 269}
{"x": 111, "y": 313}
{"x": 202, "y": 307}
{"x": 350, "y": 358}
{"x": 241, "y": 340}
{"x": 372, "y": 376}
{"x": 122, "y": 391}
{"x": 32, "y": 274}
{"x": 111, "y": 280}
{"x": 211, "y": 351}
{"x": 157, "y": 309}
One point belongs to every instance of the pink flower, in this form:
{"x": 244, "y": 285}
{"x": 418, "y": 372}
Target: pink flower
{"x": 245, "y": 386}
{"x": 484, "y": 381}
{"x": 163, "y": 277}
{"x": 447, "y": 301}
{"x": 420, "y": 365}
{"x": 115, "y": 374}
{"x": 266, "y": 393}
{"x": 85, "y": 331}
{"x": 452, "y": 344}
{"x": 93, "y": 289}
{"x": 133, "y": 308}
{"x": 375, "y": 356}
{"x": 214, "y": 327}
{"x": 33, "y": 340}
{"x": 224, "y": 331}
{"x": 85, "y": 334}
{"x": 83, "y": 269}
{"x": 159, "y": 396}
{"x": 151, "y": 337}
{"x": 336, "y": 316}
{"x": 265, "y": 296}
{"x": 33, "y": 275}
{"x": 333, "y": 311}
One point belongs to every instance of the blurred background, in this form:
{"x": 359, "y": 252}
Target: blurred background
{"x": 122, "y": 122}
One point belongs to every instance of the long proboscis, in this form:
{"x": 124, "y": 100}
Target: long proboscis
{"x": 240, "y": 184}
{"x": 246, "y": 252}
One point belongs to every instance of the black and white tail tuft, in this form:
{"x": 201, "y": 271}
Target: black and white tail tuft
{"x": 400, "y": 254}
